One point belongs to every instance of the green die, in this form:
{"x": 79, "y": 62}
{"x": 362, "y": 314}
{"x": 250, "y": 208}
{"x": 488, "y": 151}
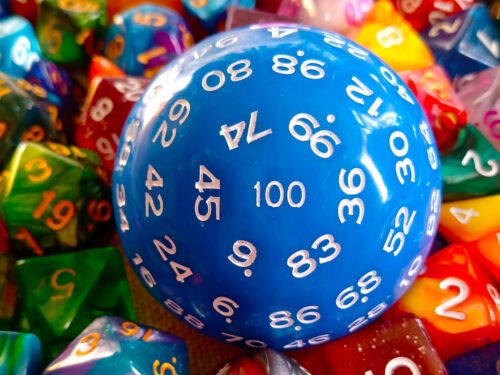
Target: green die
{"x": 23, "y": 116}
{"x": 471, "y": 168}
{"x": 66, "y": 28}
{"x": 19, "y": 354}
{"x": 60, "y": 295}
{"x": 53, "y": 199}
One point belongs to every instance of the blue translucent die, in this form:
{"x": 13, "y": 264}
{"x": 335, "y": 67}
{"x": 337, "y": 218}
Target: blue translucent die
{"x": 146, "y": 37}
{"x": 112, "y": 345}
{"x": 465, "y": 43}
{"x": 210, "y": 12}
{"x": 277, "y": 183}
{"x": 19, "y": 47}
{"x": 483, "y": 361}
{"x": 4, "y": 8}
{"x": 20, "y": 353}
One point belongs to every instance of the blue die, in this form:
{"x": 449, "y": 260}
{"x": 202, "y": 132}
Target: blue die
{"x": 54, "y": 80}
{"x": 20, "y": 353}
{"x": 112, "y": 345}
{"x": 210, "y": 12}
{"x": 144, "y": 38}
{"x": 4, "y": 8}
{"x": 466, "y": 42}
{"x": 19, "y": 48}
{"x": 277, "y": 185}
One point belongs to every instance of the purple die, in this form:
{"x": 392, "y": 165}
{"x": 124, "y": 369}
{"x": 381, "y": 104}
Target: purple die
{"x": 483, "y": 361}
{"x": 480, "y": 94}
{"x": 54, "y": 80}
{"x": 112, "y": 345}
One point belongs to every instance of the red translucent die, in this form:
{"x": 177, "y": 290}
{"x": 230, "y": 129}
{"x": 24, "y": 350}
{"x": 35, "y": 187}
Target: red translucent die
{"x": 268, "y": 5}
{"x": 104, "y": 113}
{"x": 442, "y": 106}
{"x": 4, "y": 238}
{"x": 25, "y": 8}
{"x": 398, "y": 346}
{"x": 117, "y": 6}
{"x": 423, "y": 13}
{"x": 456, "y": 301}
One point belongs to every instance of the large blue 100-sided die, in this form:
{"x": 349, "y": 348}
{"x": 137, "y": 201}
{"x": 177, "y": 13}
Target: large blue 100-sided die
{"x": 277, "y": 185}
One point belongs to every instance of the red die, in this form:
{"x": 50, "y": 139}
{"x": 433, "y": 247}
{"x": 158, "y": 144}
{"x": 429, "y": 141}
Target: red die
{"x": 423, "y": 13}
{"x": 25, "y": 8}
{"x": 397, "y": 347}
{"x": 104, "y": 113}
{"x": 456, "y": 301}
{"x": 443, "y": 108}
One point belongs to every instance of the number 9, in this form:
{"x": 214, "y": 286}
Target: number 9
{"x": 62, "y": 215}
{"x": 129, "y": 329}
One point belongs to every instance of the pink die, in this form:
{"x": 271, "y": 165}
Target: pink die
{"x": 480, "y": 93}
{"x": 343, "y": 16}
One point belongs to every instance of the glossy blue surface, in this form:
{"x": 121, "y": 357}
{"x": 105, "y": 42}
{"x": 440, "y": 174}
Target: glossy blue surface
{"x": 19, "y": 353}
{"x": 315, "y": 115}
{"x": 466, "y": 42}
{"x": 210, "y": 12}
{"x": 19, "y": 48}
{"x": 146, "y": 28}
{"x": 112, "y": 345}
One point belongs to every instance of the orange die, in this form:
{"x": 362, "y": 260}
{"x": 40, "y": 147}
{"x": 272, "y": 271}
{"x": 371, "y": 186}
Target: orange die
{"x": 387, "y": 34}
{"x": 102, "y": 67}
{"x": 457, "y": 302}
{"x": 470, "y": 220}
{"x": 487, "y": 250}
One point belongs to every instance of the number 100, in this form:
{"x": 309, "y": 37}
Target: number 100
{"x": 276, "y": 200}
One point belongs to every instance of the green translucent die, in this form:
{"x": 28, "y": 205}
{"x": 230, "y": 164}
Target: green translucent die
{"x": 22, "y": 118}
{"x": 471, "y": 168}
{"x": 53, "y": 199}
{"x": 66, "y": 28}
{"x": 60, "y": 295}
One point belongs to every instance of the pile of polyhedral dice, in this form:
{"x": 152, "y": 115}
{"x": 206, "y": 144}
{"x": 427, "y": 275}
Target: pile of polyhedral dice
{"x": 277, "y": 185}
